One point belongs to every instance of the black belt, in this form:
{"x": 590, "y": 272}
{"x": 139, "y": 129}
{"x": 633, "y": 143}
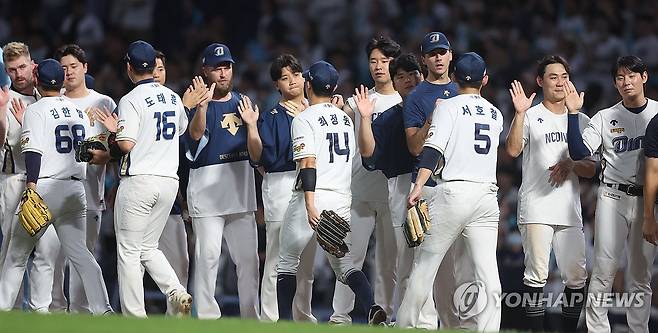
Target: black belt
{"x": 632, "y": 190}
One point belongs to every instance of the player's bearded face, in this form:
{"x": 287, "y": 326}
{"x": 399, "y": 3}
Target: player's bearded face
{"x": 20, "y": 71}
{"x": 74, "y": 72}
{"x": 222, "y": 76}
{"x": 378, "y": 64}
{"x": 553, "y": 82}
{"x": 290, "y": 84}
{"x": 630, "y": 84}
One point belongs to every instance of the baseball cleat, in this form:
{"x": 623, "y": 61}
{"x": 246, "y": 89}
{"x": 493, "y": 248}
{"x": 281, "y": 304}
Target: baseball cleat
{"x": 182, "y": 302}
{"x": 376, "y": 316}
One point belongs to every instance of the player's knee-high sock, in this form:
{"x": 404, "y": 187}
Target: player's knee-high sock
{"x": 534, "y": 308}
{"x": 359, "y": 284}
{"x": 286, "y": 286}
{"x": 571, "y": 307}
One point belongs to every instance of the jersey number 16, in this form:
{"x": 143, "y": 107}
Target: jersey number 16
{"x": 166, "y": 130}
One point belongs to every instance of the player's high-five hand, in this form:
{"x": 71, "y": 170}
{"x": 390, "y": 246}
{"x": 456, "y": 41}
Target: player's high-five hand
{"x": 521, "y": 102}
{"x": 195, "y": 93}
{"x": 365, "y": 105}
{"x": 18, "y": 109}
{"x": 4, "y": 100}
{"x": 338, "y": 101}
{"x": 574, "y": 100}
{"x": 248, "y": 111}
{"x": 293, "y": 109}
{"x": 105, "y": 117}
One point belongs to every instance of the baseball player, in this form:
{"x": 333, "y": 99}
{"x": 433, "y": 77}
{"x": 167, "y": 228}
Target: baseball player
{"x": 222, "y": 193}
{"x": 270, "y": 149}
{"x": 151, "y": 119}
{"x": 383, "y": 146}
{"x": 417, "y": 115}
{"x": 322, "y": 183}
{"x": 370, "y": 194}
{"x": 51, "y": 129}
{"x": 461, "y": 152}
{"x": 617, "y": 133}
{"x": 550, "y": 179}
{"x": 22, "y": 93}
{"x": 74, "y": 62}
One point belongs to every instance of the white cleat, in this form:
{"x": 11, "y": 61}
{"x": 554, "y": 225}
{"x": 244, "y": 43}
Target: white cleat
{"x": 182, "y": 302}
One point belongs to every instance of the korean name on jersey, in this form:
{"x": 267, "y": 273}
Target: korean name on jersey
{"x": 326, "y": 133}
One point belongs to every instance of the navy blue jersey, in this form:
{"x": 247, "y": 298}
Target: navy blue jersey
{"x": 418, "y": 107}
{"x": 274, "y": 131}
{"x": 225, "y": 138}
{"x": 391, "y": 155}
{"x": 651, "y": 138}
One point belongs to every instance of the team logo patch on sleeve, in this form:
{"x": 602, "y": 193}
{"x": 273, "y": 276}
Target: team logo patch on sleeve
{"x": 298, "y": 148}
{"x": 617, "y": 130}
{"x": 24, "y": 141}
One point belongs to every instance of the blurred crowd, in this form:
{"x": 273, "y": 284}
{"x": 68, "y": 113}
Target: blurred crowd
{"x": 510, "y": 35}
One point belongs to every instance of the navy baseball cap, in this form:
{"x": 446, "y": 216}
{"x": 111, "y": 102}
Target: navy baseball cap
{"x": 141, "y": 55}
{"x": 470, "y": 67}
{"x": 215, "y": 54}
{"x": 322, "y": 76}
{"x": 50, "y": 73}
{"x": 434, "y": 40}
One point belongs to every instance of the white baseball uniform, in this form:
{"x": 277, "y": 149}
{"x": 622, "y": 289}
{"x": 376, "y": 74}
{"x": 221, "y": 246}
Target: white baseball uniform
{"x": 151, "y": 116}
{"x": 369, "y": 211}
{"x": 173, "y": 244}
{"x": 618, "y": 134}
{"x": 51, "y": 128}
{"x": 541, "y": 225}
{"x": 94, "y": 192}
{"x": 318, "y": 127}
{"x": 466, "y": 130}
{"x": 12, "y": 184}
{"x": 222, "y": 200}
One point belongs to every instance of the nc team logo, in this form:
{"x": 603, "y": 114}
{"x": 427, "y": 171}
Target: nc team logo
{"x": 219, "y": 51}
{"x": 470, "y": 299}
{"x": 231, "y": 122}
{"x": 434, "y": 38}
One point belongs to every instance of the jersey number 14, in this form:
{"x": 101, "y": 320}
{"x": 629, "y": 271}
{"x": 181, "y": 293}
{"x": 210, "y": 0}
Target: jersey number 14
{"x": 334, "y": 146}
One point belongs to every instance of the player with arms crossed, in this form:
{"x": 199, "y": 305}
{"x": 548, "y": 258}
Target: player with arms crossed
{"x": 322, "y": 183}
{"x": 617, "y": 133}
{"x": 270, "y": 149}
{"x": 550, "y": 179}
{"x": 461, "y": 151}
{"x": 22, "y": 93}
{"x": 151, "y": 119}
{"x": 52, "y": 128}
{"x": 222, "y": 191}
{"x": 369, "y": 193}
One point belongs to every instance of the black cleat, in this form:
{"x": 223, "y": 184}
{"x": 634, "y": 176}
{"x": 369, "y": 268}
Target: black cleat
{"x": 376, "y": 316}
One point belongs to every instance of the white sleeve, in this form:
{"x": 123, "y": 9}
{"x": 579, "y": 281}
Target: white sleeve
{"x": 592, "y": 134}
{"x": 32, "y": 135}
{"x": 526, "y": 130}
{"x": 183, "y": 121}
{"x": 443, "y": 122}
{"x": 128, "y": 125}
{"x": 303, "y": 142}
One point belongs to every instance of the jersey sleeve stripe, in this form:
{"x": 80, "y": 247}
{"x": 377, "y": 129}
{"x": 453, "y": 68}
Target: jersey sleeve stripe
{"x": 433, "y": 146}
{"x": 34, "y": 150}
{"x": 300, "y": 156}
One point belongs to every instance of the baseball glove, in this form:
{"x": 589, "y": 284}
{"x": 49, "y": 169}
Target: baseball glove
{"x": 33, "y": 214}
{"x": 417, "y": 224}
{"x": 98, "y": 142}
{"x": 331, "y": 232}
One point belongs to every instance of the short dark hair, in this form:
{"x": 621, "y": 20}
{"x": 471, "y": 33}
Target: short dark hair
{"x": 386, "y": 45}
{"x": 72, "y": 50}
{"x": 630, "y": 62}
{"x": 551, "y": 59}
{"x": 141, "y": 71}
{"x": 468, "y": 84}
{"x": 406, "y": 62}
{"x": 283, "y": 61}
{"x": 161, "y": 56}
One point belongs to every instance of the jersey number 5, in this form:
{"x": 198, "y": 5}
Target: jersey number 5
{"x": 66, "y": 138}
{"x": 482, "y": 137}
{"x": 334, "y": 146}
{"x": 166, "y": 130}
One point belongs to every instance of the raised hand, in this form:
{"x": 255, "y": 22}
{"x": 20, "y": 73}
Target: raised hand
{"x": 365, "y": 105}
{"x": 293, "y": 109}
{"x": 337, "y": 100}
{"x": 248, "y": 111}
{"x": 521, "y": 102}
{"x": 574, "y": 100}
{"x": 105, "y": 117}
{"x": 4, "y": 97}
{"x": 195, "y": 93}
{"x": 18, "y": 109}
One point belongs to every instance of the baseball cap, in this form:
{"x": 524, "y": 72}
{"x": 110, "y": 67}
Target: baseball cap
{"x": 470, "y": 67}
{"x": 434, "y": 40}
{"x": 141, "y": 55}
{"x": 322, "y": 76}
{"x": 215, "y": 54}
{"x": 50, "y": 73}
